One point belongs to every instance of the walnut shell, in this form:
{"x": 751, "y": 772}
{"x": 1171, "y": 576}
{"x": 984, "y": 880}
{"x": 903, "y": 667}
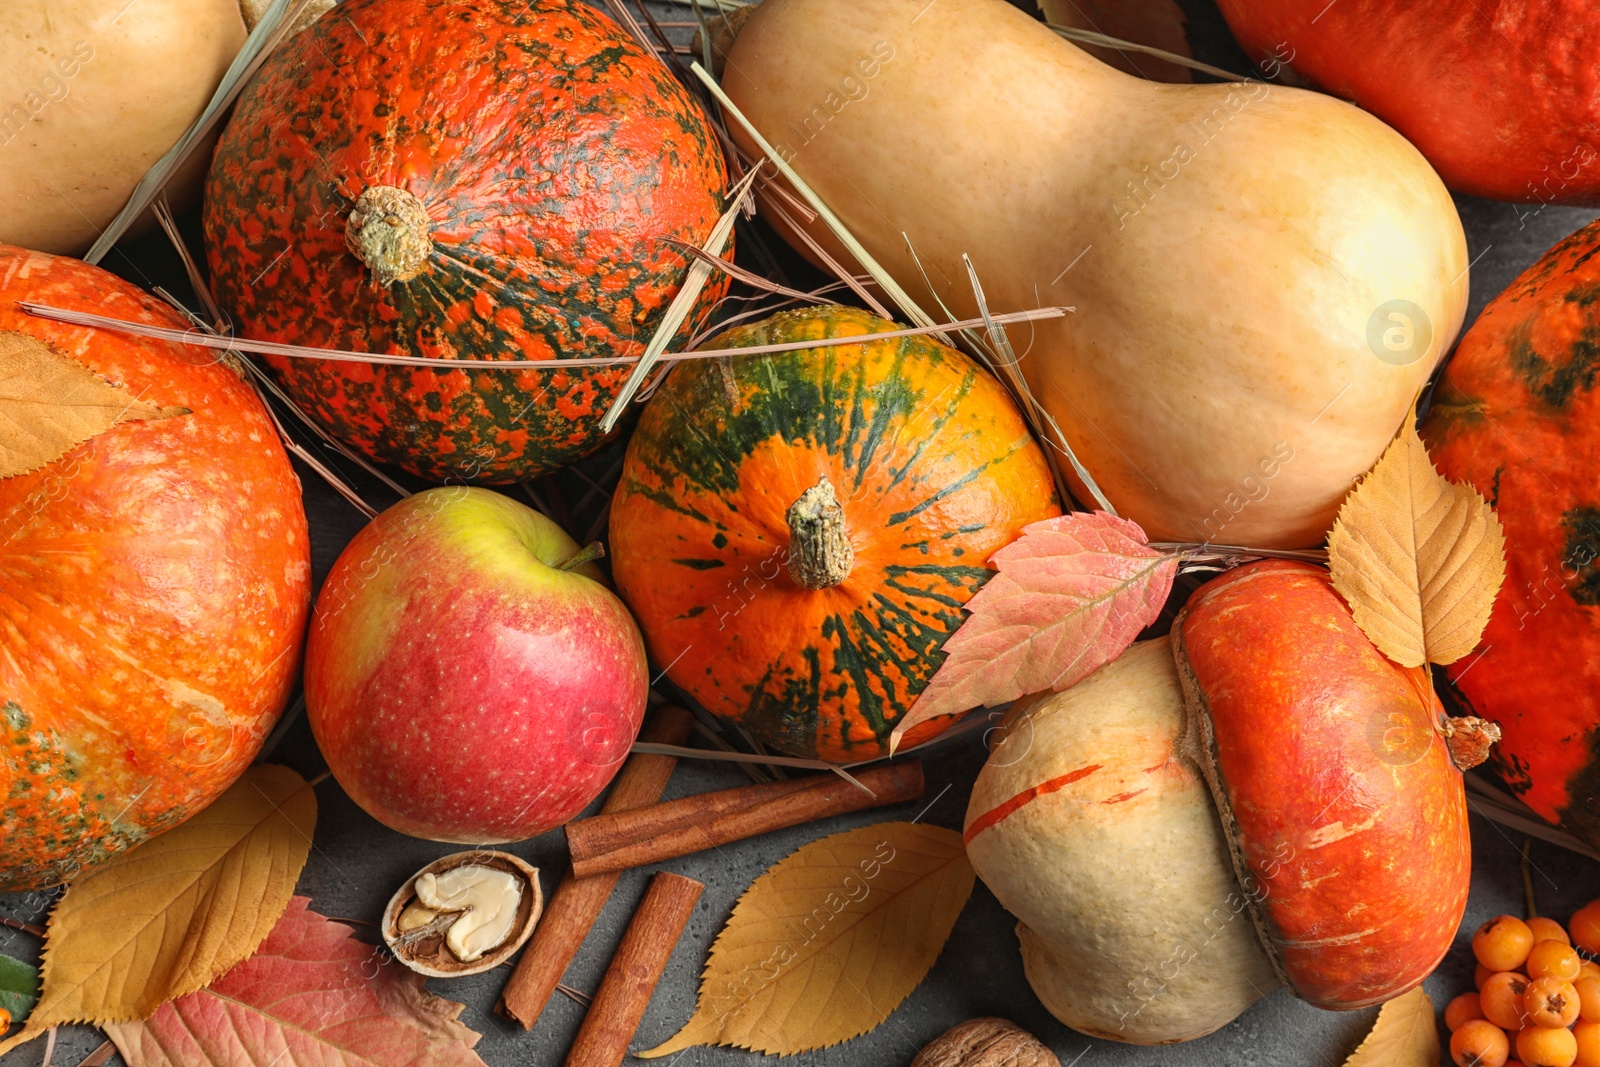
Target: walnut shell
{"x": 431, "y": 957}
{"x": 985, "y": 1043}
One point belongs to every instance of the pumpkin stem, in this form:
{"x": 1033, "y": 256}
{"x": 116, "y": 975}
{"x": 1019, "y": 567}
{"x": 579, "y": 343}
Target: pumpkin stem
{"x": 1469, "y": 739}
{"x": 820, "y": 555}
{"x": 388, "y": 231}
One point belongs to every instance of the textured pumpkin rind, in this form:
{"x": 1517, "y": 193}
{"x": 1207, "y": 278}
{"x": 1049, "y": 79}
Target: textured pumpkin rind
{"x": 1092, "y": 825}
{"x": 554, "y": 157}
{"x": 935, "y": 470}
{"x": 1517, "y": 123}
{"x": 1346, "y": 819}
{"x": 1517, "y": 415}
{"x": 157, "y": 584}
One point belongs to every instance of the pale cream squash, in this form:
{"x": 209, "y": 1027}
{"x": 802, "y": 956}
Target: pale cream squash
{"x": 1094, "y": 829}
{"x": 1263, "y": 277}
{"x": 92, "y": 93}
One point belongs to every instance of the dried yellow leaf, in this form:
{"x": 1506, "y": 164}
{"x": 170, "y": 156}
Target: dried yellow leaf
{"x": 1404, "y": 1035}
{"x": 50, "y": 403}
{"x": 1418, "y": 558}
{"x": 166, "y": 918}
{"x": 830, "y": 940}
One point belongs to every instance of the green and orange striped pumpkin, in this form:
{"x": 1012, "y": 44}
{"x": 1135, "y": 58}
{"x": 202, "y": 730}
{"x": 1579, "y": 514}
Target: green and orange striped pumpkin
{"x": 1517, "y": 414}
{"x": 460, "y": 179}
{"x": 797, "y": 532}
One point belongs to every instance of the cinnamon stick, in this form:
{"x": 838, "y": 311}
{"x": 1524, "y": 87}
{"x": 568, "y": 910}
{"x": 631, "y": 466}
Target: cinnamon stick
{"x": 634, "y": 971}
{"x": 577, "y": 902}
{"x": 616, "y": 841}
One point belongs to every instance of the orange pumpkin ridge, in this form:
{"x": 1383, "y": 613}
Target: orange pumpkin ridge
{"x": 154, "y": 588}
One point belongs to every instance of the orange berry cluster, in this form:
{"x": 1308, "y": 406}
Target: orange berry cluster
{"x": 1537, "y": 995}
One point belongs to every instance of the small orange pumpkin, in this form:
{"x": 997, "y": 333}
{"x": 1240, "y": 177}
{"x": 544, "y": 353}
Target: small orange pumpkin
{"x": 798, "y": 531}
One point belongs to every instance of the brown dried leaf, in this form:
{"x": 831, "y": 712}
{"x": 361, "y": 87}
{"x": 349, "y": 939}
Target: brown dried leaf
{"x": 1418, "y": 558}
{"x": 830, "y": 940}
{"x": 166, "y": 918}
{"x": 50, "y": 403}
{"x": 1404, "y": 1035}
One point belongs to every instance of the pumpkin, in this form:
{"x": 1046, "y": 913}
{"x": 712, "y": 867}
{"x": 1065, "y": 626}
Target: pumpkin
{"x": 1264, "y": 799}
{"x": 465, "y": 180}
{"x": 94, "y": 92}
{"x": 1516, "y": 123}
{"x": 1332, "y": 772}
{"x": 1517, "y": 414}
{"x": 1263, "y": 277}
{"x": 796, "y": 532}
{"x": 157, "y": 581}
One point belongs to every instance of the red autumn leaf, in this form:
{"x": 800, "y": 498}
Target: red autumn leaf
{"x": 311, "y": 994}
{"x": 1071, "y": 593}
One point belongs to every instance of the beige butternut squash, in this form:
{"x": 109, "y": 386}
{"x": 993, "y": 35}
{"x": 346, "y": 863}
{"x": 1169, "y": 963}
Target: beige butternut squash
{"x": 92, "y": 93}
{"x": 1262, "y": 277}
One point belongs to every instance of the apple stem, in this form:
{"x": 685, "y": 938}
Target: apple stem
{"x": 587, "y": 554}
{"x": 820, "y": 554}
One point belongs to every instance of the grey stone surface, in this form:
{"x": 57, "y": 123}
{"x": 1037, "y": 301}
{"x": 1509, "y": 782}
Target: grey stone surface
{"x": 357, "y": 863}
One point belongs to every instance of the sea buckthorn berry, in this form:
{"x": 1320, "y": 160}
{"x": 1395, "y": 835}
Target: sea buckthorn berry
{"x": 1462, "y": 1009}
{"x": 1585, "y": 928}
{"x": 1547, "y": 1046}
{"x": 1588, "y": 969}
{"x": 1551, "y": 1002}
{"x": 1552, "y": 959}
{"x": 1546, "y": 929}
{"x": 1587, "y": 1036}
{"x": 5, "y": 1020}
{"x": 1502, "y": 943}
{"x": 1501, "y": 999}
{"x": 1588, "y": 999}
{"x": 1480, "y": 975}
{"x": 1479, "y": 1044}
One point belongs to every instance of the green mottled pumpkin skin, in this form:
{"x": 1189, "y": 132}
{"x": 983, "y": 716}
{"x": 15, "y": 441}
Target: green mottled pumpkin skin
{"x": 554, "y": 157}
{"x": 1517, "y": 414}
{"x": 934, "y": 470}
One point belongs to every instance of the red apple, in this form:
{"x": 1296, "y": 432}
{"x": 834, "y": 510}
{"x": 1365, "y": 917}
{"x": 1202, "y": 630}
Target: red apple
{"x": 463, "y": 684}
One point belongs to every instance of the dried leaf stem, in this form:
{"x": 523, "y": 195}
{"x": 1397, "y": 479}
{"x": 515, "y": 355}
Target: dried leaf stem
{"x": 245, "y": 344}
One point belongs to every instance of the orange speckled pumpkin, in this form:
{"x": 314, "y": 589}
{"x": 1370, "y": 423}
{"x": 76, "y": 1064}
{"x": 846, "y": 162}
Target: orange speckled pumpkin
{"x": 1345, "y": 816}
{"x": 797, "y": 532}
{"x": 491, "y": 179}
{"x": 156, "y": 584}
{"x": 1517, "y": 415}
